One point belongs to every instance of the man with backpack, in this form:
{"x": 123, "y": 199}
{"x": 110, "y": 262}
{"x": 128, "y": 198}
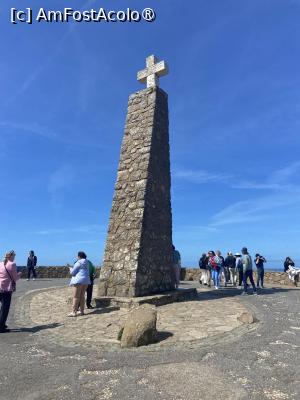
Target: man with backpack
{"x": 215, "y": 263}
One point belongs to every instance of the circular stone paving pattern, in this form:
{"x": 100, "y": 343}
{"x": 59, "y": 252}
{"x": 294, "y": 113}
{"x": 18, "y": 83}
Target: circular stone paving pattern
{"x": 177, "y": 322}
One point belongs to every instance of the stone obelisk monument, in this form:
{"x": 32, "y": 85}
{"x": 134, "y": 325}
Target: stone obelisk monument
{"x": 138, "y": 253}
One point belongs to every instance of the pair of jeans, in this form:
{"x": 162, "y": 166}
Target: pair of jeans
{"x": 215, "y": 274}
{"x": 248, "y": 274}
{"x": 5, "y": 300}
{"x": 29, "y": 270}
{"x": 260, "y": 277}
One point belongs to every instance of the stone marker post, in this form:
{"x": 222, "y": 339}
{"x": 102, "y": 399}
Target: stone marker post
{"x": 138, "y": 253}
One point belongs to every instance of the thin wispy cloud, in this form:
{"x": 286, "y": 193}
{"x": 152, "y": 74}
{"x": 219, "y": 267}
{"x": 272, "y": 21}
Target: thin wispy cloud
{"x": 76, "y": 229}
{"x": 283, "y": 193}
{"x": 277, "y": 180}
{"x": 81, "y": 242}
{"x": 201, "y": 176}
{"x": 59, "y": 182}
{"x": 33, "y": 128}
{"x": 284, "y": 174}
{"x": 256, "y": 185}
{"x": 255, "y": 210}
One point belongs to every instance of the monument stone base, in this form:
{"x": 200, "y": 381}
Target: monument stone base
{"x": 155, "y": 299}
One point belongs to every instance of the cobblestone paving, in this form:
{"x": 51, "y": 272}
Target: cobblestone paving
{"x": 260, "y": 362}
{"x": 178, "y": 322}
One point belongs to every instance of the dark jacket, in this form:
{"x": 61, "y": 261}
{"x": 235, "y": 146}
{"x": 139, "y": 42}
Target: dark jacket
{"x": 31, "y": 262}
{"x": 203, "y": 262}
{"x": 230, "y": 262}
{"x": 288, "y": 264}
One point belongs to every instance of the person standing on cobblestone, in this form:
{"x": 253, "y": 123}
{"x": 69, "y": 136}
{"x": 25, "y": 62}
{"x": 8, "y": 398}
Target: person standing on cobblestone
{"x": 8, "y": 278}
{"x": 259, "y": 262}
{"x": 203, "y": 263}
{"x": 176, "y": 266}
{"x": 215, "y": 264}
{"x": 89, "y": 290}
{"x": 230, "y": 264}
{"x": 80, "y": 281}
{"x": 31, "y": 264}
{"x": 223, "y": 269}
{"x": 239, "y": 268}
{"x": 247, "y": 270}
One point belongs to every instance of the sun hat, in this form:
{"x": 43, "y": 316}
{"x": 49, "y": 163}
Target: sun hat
{"x": 237, "y": 255}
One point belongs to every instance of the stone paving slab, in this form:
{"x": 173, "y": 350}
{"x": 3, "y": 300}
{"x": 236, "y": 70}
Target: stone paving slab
{"x": 161, "y": 299}
{"x": 182, "y": 322}
{"x": 256, "y": 364}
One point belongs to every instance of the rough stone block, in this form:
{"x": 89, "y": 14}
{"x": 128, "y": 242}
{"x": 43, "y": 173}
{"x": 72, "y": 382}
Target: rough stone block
{"x": 247, "y": 318}
{"x": 140, "y": 327}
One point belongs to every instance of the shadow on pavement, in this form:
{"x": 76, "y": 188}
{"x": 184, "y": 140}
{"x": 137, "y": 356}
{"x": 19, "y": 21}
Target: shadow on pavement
{"x": 233, "y": 292}
{"x": 36, "y": 280}
{"x": 104, "y": 310}
{"x": 163, "y": 335}
{"x": 37, "y": 328}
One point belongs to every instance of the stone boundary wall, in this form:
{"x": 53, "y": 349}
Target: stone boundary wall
{"x": 51, "y": 272}
{"x": 271, "y": 277}
{"x": 187, "y": 274}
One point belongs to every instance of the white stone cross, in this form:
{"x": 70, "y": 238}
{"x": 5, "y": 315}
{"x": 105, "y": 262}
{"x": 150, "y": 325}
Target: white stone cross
{"x": 153, "y": 71}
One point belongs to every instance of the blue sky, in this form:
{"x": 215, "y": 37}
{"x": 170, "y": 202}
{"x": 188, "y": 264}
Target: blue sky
{"x": 234, "y": 103}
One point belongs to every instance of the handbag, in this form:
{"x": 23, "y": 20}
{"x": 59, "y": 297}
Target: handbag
{"x": 13, "y": 283}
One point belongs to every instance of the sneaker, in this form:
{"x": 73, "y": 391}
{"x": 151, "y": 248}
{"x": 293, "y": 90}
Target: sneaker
{"x": 27, "y": 279}
{"x": 90, "y": 307}
{"x": 254, "y": 293}
{"x": 33, "y": 279}
{"x": 200, "y": 282}
{"x": 72, "y": 314}
{"x": 244, "y": 294}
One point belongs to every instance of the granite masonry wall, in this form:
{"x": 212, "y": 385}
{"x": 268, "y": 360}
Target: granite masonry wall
{"x": 51, "y": 272}
{"x": 187, "y": 274}
{"x": 138, "y": 253}
{"x": 271, "y": 277}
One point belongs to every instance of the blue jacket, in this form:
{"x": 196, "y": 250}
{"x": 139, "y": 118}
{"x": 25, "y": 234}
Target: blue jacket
{"x": 80, "y": 273}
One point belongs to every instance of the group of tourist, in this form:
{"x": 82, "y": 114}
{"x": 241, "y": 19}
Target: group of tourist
{"x": 82, "y": 280}
{"x": 235, "y": 269}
